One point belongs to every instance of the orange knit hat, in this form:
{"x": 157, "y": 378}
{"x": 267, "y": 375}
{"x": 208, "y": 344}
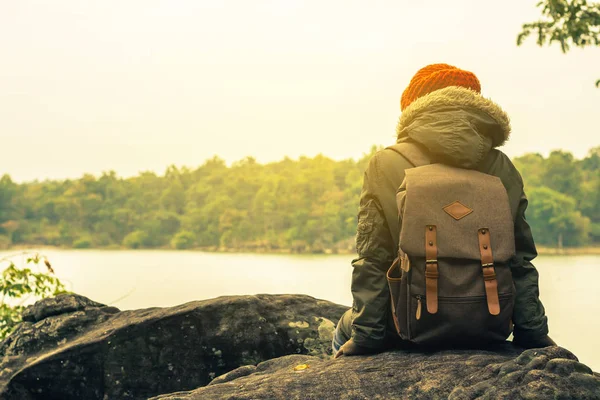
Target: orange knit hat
{"x": 434, "y": 77}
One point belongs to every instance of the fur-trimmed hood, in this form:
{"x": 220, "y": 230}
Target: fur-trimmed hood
{"x": 456, "y": 124}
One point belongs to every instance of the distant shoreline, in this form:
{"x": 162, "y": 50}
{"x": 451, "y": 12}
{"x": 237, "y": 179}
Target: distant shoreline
{"x": 542, "y": 250}
{"x": 569, "y": 251}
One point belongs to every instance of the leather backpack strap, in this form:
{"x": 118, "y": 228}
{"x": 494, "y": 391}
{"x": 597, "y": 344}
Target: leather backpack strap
{"x": 414, "y": 153}
{"x": 417, "y": 156}
{"x": 431, "y": 269}
{"x": 489, "y": 273}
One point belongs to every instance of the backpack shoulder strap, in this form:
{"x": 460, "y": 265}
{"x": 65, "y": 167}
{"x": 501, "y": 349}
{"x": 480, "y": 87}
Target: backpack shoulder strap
{"x": 414, "y": 153}
{"x": 417, "y": 156}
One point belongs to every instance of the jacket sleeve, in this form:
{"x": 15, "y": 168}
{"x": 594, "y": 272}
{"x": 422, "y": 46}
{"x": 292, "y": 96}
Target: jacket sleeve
{"x": 375, "y": 249}
{"x": 529, "y": 316}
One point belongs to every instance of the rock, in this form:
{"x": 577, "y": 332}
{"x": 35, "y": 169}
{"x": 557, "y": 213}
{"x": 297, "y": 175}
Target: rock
{"x": 254, "y": 347}
{"x": 500, "y": 373}
{"x": 236, "y": 373}
{"x": 61, "y": 304}
{"x": 67, "y": 316}
{"x": 70, "y": 347}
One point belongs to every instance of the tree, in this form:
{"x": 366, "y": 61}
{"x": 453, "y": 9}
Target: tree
{"x": 574, "y": 22}
{"x": 136, "y": 240}
{"x": 306, "y": 204}
{"x": 592, "y": 162}
{"x": 531, "y": 166}
{"x": 562, "y": 174}
{"x": 183, "y": 240}
{"x": 590, "y": 197}
{"x": 555, "y": 219}
{"x": 8, "y": 191}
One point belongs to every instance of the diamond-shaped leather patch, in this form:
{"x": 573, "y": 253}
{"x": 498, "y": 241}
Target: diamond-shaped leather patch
{"x": 457, "y": 210}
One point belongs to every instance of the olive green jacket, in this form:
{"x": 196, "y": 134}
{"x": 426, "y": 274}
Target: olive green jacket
{"x": 457, "y": 127}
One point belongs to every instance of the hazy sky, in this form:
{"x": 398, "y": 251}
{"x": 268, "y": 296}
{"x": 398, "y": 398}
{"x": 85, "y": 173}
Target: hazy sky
{"x": 90, "y": 86}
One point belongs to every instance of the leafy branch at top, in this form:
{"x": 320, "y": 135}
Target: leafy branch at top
{"x": 569, "y": 23}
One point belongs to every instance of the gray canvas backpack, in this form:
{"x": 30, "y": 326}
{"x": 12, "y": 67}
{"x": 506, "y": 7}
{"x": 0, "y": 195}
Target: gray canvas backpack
{"x": 451, "y": 282}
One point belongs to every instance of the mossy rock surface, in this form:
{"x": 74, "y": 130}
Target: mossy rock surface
{"x": 70, "y": 347}
{"x": 500, "y": 373}
{"x": 254, "y": 347}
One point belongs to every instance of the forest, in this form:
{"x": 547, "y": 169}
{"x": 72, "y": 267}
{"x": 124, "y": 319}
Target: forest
{"x": 303, "y": 205}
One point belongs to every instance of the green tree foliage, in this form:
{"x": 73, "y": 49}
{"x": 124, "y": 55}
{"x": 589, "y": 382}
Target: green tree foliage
{"x": 574, "y": 22}
{"x": 554, "y": 218}
{"x": 21, "y": 285}
{"x": 136, "y": 240}
{"x": 184, "y": 240}
{"x": 564, "y": 197}
{"x": 562, "y": 174}
{"x": 305, "y": 204}
{"x": 82, "y": 243}
{"x": 590, "y": 192}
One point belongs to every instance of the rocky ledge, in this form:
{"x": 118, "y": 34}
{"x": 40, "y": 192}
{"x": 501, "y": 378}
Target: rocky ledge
{"x": 70, "y": 347}
{"x": 501, "y": 373}
{"x": 254, "y": 347}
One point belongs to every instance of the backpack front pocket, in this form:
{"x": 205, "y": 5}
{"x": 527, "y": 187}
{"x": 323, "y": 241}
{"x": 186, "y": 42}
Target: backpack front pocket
{"x": 460, "y": 320}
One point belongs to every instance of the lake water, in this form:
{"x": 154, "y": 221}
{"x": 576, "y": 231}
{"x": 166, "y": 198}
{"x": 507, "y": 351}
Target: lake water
{"x": 569, "y": 285}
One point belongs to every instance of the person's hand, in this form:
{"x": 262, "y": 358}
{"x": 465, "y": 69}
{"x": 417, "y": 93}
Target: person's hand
{"x": 534, "y": 343}
{"x": 352, "y": 349}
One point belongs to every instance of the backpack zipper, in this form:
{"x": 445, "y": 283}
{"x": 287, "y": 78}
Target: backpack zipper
{"x": 470, "y": 299}
{"x": 442, "y": 299}
{"x": 418, "y": 316}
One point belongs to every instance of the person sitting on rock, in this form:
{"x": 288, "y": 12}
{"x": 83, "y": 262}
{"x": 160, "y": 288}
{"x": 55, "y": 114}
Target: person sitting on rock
{"x": 463, "y": 133}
